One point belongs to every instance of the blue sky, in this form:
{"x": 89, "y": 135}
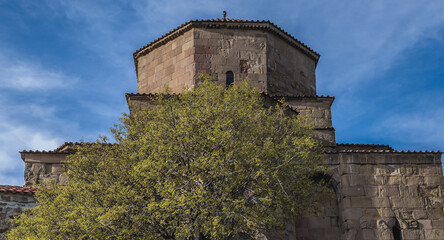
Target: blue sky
{"x": 66, "y": 65}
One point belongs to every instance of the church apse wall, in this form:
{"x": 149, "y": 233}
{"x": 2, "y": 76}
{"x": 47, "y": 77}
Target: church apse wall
{"x": 171, "y": 64}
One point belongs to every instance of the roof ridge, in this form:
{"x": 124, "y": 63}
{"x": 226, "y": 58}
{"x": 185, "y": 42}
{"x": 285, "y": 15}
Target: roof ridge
{"x": 68, "y": 151}
{"x": 18, "y": 189}
{"x": 185, "y": 26}
{"x": 378, "y": 151}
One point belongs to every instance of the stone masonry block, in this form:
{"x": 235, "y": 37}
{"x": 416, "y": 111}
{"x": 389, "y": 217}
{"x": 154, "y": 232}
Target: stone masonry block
{"x": 410, "y": 202}
{"x": 319, "y": 222}
{"x": 434, "y": 234}
{"x": 425, "y": 224}
{"x": 381, "y": 202}
{"x": 346, "y": 203}
{"x": 409, "y": 191}
{"x": 411, "y": 234}
{"x": 371, "y": 213}
{"x": 352, "y": 180}
{"x": 349, "y": 169}
{"x": 386, "y": 212}
{"x": 368, "y": 234}
{"x": 389, "y": 191}
{"x": 352, "y": 213}
{"x": 355, "y": 191}
{"x": 367, "y": 170}
{"x": 413, "y": 180}
{"x": 431, "y": 170}
{"x": 361, "y": 202}
{"x": 372, "y": 191}
{"x": 366, "y": 223}
{"x": 432, "y": 180}
{"x": 352, "y": 224}
{"x": 419, "y": 214}
{"x": 438, "y": 224}
{"x": 394, "y": 180}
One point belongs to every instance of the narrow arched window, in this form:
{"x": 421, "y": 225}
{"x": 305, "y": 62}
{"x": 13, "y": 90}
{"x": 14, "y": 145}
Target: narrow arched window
{"x": 229, "y": 78}
{"x": 397, "y": 234}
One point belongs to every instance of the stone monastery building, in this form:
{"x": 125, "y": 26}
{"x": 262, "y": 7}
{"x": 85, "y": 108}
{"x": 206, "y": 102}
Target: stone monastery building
{"x": 381, "y": 193}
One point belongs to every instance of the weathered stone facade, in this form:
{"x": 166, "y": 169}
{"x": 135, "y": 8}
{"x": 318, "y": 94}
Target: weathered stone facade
{"x": 380, "y": 193}
{"x": 276, "y": 63}
{"x": 13, "y": 201}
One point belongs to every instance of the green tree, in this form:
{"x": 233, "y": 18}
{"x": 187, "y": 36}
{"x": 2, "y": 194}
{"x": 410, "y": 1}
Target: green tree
{"x": 210, "y": 163}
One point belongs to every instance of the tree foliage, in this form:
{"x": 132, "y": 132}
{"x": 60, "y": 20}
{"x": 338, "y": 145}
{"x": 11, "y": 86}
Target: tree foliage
{"x": 210, "y": 163}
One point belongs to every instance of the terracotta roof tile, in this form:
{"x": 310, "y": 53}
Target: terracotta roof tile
{"x": 352, "y": 146}
{"x": 371, "y": 148}
{"x": 303, "y": 96}
{"x": 66, "y": 148}
{"x": 17, "y": 189}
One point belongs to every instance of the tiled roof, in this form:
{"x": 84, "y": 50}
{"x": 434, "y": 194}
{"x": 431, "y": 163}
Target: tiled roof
{"x": 371, "y": 148}
{"x": 66, "y": 148}
{"x": 130, "y": 95}
{"x": 227, "y": 23}
{"x": 353, "y": 146}
{"x": 17, "y": 189}
{"x": 303, "y": 97}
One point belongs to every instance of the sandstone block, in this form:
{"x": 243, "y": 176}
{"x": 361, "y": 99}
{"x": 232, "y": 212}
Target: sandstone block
{"x": 432, "y": 180}
{"x": 419, "y": 214}
{"x": 368, "y": 234}
{"x": 409, "y": 191}
{"x": 425, "y": 224}
{"x": 389, "y": 191}
{"x": 386, "y": 213}
{"x": 371, "y": 213}
{"x": 345, "y": 203}
{"x": 381, "y": 202}
{"x": 433, "y": 234}
{"x": 409, "y": 170}
{"x": 413, "y": 180}
{"x": 372, "y": 191}
{"x": 367, "y": 223}
{"x": 355, "y": 191}
{"x": 430, "y": 170}
{"x": 367, "y": 170}
{"x": 352, "y": 213}
{"x": 394, "y": 180}
{"x": 352, "y": 224}
{"x": 349, "y": 169}
{"x": 411, "y": 202}
{"x": 438, "y": 223}
{"x": 411, "y": 234}
{"x": 361, "y": 202}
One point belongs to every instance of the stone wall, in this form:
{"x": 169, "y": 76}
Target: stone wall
{"x": 42, "y": 167}
{"x": 264, "y": 54}
{"x": 290, "y": 72}
{"x": 11, "y": 205}
{"x": 384, "y": 193}
{"x": 380, "y": 194}
{"x": 242, "y": 52}
{"x": 43, "y": 173}
{"x": 171, "y": 64}
{"x": 318, "y": 112}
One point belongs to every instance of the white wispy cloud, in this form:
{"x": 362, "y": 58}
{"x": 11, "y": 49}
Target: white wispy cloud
{"x": 19, "y": 74}
{"x": 362, "y": 39}
{"x": 418, "y": 129}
